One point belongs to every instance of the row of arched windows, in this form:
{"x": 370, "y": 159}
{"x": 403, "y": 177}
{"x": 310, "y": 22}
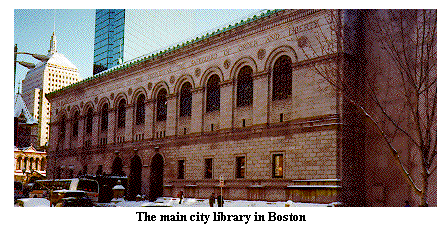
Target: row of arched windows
{"x": 281, "y": 89}
{"x": 30, "y": 163}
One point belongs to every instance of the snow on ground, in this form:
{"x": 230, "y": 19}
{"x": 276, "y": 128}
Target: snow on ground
{"x": 174, "y": 202}
{"x": 192, "y": 202}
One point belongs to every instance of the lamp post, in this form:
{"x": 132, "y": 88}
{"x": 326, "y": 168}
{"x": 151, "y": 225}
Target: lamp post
{"x": 40, "y": 57}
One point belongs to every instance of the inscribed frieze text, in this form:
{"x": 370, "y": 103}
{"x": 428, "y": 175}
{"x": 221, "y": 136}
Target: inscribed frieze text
{"x": 305, "y": 27}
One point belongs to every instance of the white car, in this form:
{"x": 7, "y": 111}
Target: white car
{"x": 32, "y": 202}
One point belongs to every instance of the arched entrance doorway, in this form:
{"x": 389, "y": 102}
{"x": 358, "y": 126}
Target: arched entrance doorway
{"x": 117, "y": 167}
{"x": 156, "y": 177}
{"x": 135, "y": 178}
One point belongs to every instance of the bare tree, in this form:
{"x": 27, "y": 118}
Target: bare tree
{"x": 401, "y": 93}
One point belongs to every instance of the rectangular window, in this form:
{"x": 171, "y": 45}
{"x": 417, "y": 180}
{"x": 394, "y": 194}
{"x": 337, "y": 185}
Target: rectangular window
{"x": 278, "y": 166}
{"x": 181, "y": 169}
{"x": 87, "y": 144}
{"x": 208, "y": 168}
{"x": 240, "y": 167}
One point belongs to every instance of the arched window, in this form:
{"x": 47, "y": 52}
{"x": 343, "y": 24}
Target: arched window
{"x": 18, "y": 165}
{"x": 75, "y": 127}
{"x": 62, "y": 127}
{"x": 140, "y": 113}
{"x": 161, "y": 105}
{"x": 213, "y": 93}
{"x": 185, "y": 100}
{"x": 104, "y": 113}
{"x": 89, "y": 121}
{"x": 25, "y": 163}
{"x": 245, "y": 86}
{"x": 121, "y": 113}
{"x": 282, "y": 78}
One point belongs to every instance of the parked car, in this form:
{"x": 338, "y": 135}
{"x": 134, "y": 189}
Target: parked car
{"x": 18, "y": 190}
{"x": 42, "y": 188}
{"x": 77, "y": 202}
{"x": 32, "y": 202}
{"x": 27, "y": 188}
{"x": 38, "y": 190}
{"x": 66, "y": 197}
{"x": 106, "y": 183}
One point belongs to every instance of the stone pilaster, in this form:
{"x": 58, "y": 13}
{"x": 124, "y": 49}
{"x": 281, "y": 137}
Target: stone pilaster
{"x": 197, "y": 110}
{"x": 81, "y": 131}
{"x": 226, "y": 104}
{"x": 95, "y": 130}
{"x": 148, "y": 121}
{"x": 260, "y": 98}
{"x": 68, "y": 128}
{"x": 171, "y": 115}
{"x": 129, "y": 122}
{"x": 111, "y": 126}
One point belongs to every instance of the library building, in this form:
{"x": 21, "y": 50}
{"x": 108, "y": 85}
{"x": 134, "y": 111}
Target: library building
{"x": 248, "y": 104}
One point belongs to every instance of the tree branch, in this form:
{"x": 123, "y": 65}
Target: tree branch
{"x": 375, "y": 99}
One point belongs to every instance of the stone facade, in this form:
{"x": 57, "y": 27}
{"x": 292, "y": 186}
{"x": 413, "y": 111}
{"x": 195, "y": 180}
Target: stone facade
{"x": 301, "y": 128}
{"x": 289, "y": 140}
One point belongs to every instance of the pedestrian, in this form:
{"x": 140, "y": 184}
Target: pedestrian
{"x": 212, "y": 200}
{"x": 220, "y": 201}
{"x": 181, "y": 196}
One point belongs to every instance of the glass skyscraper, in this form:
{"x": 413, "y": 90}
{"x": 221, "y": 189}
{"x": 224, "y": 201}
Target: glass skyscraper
{"x": 109, "y": 39}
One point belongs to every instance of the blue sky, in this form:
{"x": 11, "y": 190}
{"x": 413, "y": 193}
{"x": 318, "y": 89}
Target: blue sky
{"x": 74, "y": 29}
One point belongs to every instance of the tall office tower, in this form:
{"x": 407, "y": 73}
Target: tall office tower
{"x": 109, "y": 39}
{"x": 47, "y": 76}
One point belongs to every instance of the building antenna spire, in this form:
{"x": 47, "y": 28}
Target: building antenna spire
{"x": 53, "y": 42}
